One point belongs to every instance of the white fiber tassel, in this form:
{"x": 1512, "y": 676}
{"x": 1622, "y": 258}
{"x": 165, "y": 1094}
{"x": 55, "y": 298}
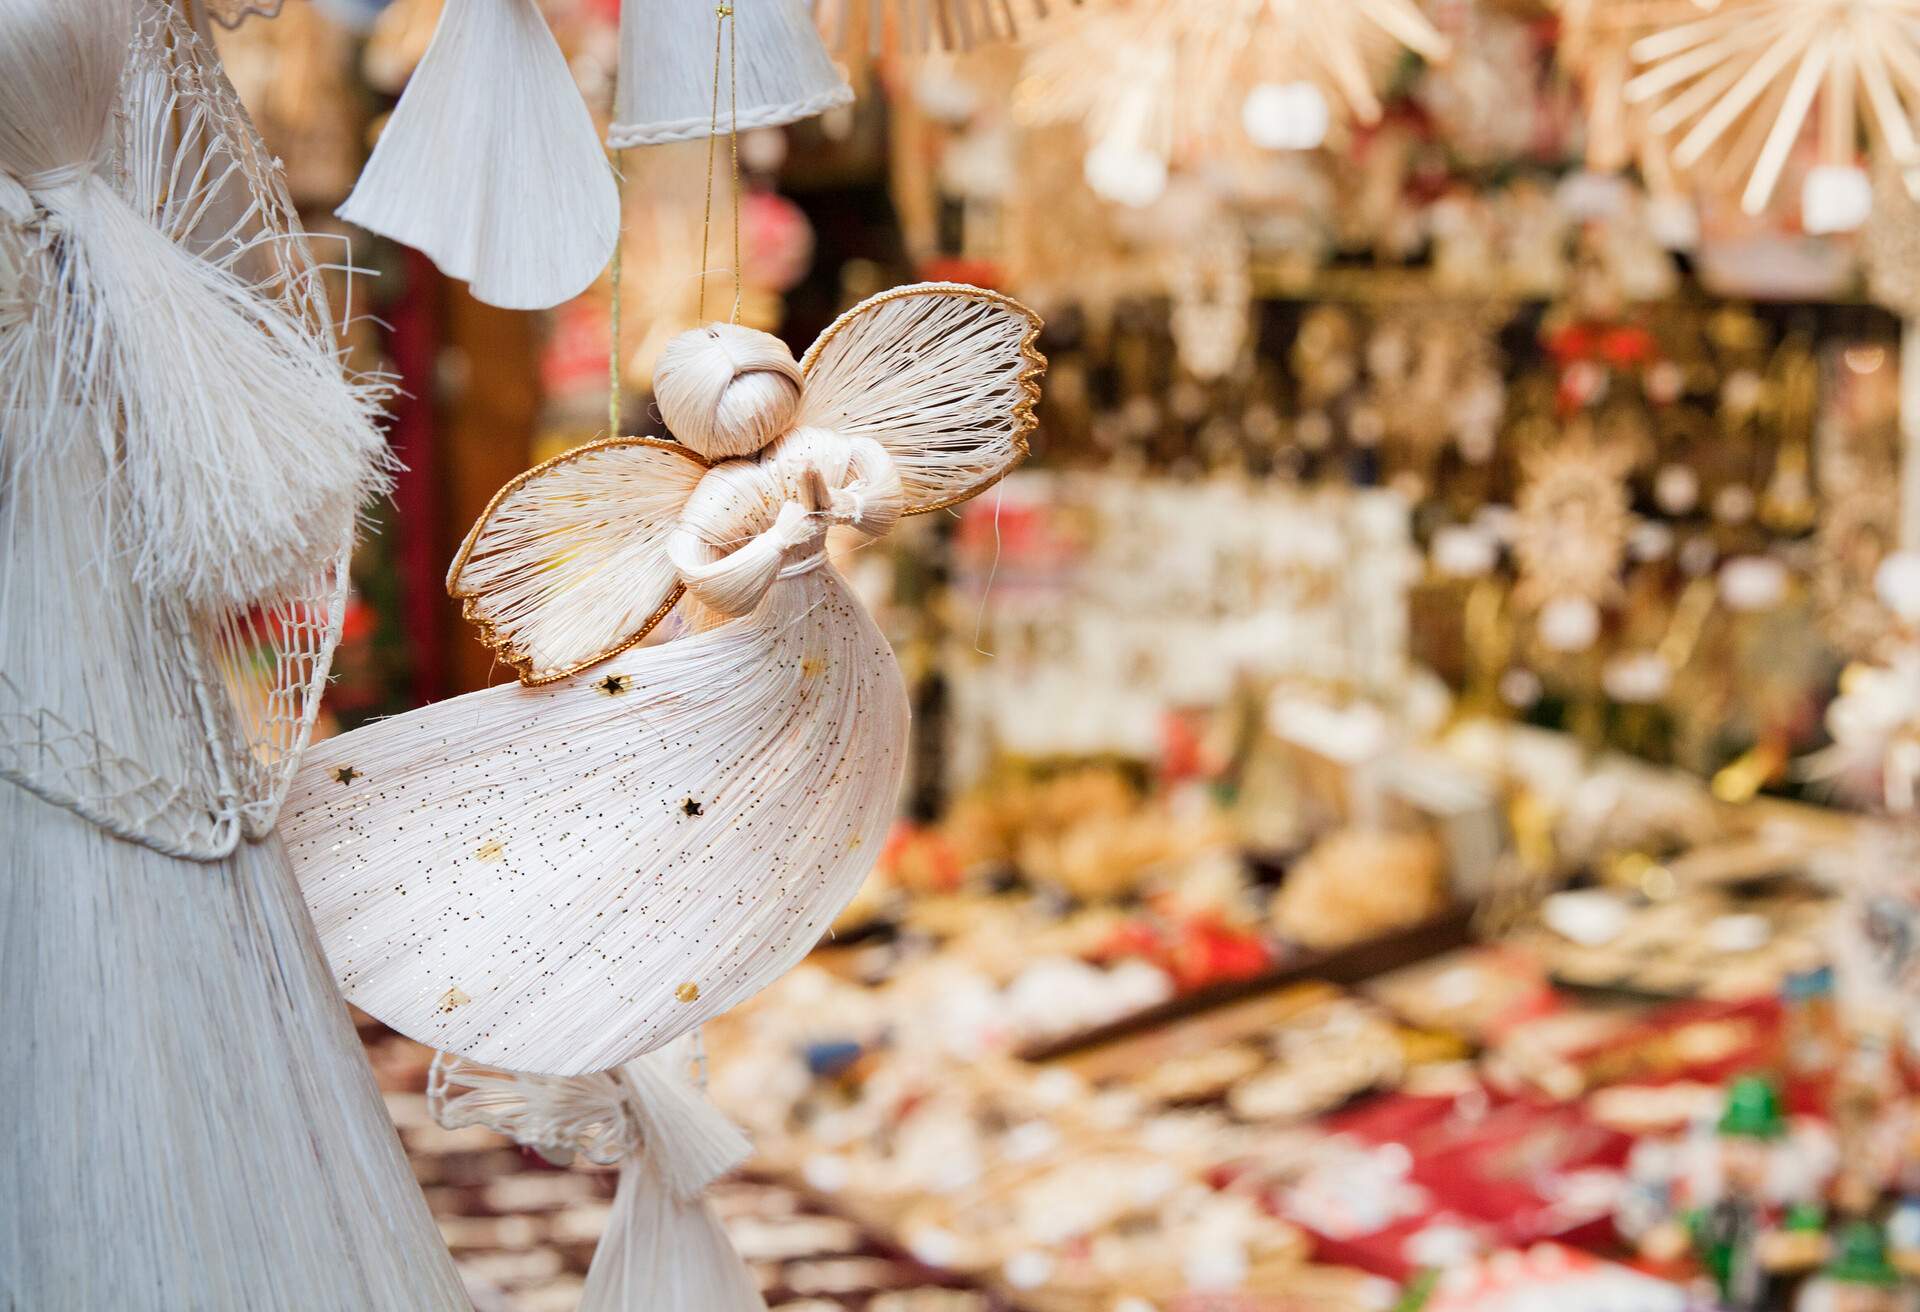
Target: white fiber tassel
{"x": 777, "y": 72}
{"x": 564, "y": 875}
{"x": 663, "y": 1247}
{"x": 664, "y": 1251}
{"x": 689, "y": 1142}
{"x": 243, "y": 454}
{"x": 490, "y": 163}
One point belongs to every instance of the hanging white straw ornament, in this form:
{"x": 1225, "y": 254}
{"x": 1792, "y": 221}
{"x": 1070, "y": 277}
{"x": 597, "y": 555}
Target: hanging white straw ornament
{"x": 189, "y": 1111}
{"x": 490, "y": 163}
{"x": 242, "y": 453}
{"x": 561, "y": 876}
{"x": 663, "y": 1246}
{"x": 776, "y": 69}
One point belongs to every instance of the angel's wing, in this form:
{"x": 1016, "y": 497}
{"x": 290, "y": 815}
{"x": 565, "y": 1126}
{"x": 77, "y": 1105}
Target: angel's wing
{"x": 943, "y": 375}
{"x": 568, "y": 564}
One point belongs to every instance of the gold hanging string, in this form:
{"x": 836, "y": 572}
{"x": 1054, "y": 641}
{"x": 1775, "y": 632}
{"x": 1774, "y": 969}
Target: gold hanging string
{"x": 613, "y": 289}
{"x": 731, "y": 33}
{"x": 733, "y": 146}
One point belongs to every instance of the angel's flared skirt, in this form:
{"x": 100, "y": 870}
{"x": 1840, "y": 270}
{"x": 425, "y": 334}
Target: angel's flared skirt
{"x": 191, "y": 1122}
{"x": 560, "y": 878}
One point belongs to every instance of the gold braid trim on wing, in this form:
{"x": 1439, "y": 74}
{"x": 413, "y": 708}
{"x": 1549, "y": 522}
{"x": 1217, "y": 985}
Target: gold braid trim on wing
{"x": 503, "y": 646}
{"x": 1029, "y": 380}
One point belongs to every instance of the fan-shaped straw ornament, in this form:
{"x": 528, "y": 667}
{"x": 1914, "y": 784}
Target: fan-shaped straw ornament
{"x": 181, "y": 459}
{"x": 490, "y": 164}
{"x": 775, "y": 70}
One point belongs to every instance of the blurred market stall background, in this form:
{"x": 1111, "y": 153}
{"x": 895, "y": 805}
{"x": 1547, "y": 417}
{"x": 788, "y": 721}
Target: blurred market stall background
{"x": 1418, "y": 767}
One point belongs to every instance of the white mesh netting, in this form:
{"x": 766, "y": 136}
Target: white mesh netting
{"x": 189, "y": 745}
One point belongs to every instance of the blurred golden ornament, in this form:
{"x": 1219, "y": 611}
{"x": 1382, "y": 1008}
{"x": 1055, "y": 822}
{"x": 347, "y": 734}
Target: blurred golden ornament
{"x": 856, "y": 30}
{"x": 398, "y": 42}
{"x": 1357, "y": 883}
{"x": 1571, "y": 521}
{"x": 1890, "y": 243}
{"x": 293, "y": 76}
{"x": 1212, "y": 297}
{"x": 660, "y": 288}
{"x": 231, "y": 13}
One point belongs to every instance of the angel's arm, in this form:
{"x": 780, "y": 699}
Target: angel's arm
{"x": 941, "y": 375}
{"x": 733, "y": 582}
{"x": 872, "y": 500}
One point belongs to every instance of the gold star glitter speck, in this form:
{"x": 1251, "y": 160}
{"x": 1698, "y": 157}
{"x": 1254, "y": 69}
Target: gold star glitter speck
{"x": 346, "y": 774}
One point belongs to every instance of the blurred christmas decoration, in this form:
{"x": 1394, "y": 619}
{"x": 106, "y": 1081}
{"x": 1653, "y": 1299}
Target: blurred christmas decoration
{"x": 1890, "y": 242}
{"x": 232, "y": 13}
{"x": 853, "y": 27}
{"x": 1155, "y": 80}
{"x": 293, "y": 75}
{"x": 662, "y": 247}
{"x": 1595, "y": 36}
{"x": 1212, "y": 295}
{"x": 1570, "y": 525}
{"x": 1737, "y": 85}
{"x": 398, "y": 42}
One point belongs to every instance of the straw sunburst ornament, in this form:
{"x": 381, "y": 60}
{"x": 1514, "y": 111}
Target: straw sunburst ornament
{"x": 1595, "y": 37}
{"x": 1735, "y": 87}
{"x": 1151, "y": 79}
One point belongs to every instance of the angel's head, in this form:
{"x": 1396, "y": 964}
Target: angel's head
{"x": 727, "y": 391}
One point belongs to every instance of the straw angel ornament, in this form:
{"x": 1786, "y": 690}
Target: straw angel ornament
{"x": 559, "y": 876}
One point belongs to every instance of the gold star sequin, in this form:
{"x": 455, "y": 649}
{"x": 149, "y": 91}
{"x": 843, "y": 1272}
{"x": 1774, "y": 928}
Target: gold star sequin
{"x": 346, "y": 774}
{"x": 452, "y": 998}
{"x": 491, "y": 850}
{"x": 613, "y": 685}
{"x": 693, "y": 807}
{"x": 688, "y": 992}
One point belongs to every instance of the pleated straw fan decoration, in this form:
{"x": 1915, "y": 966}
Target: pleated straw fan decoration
{"x": 664, "y": 1247}
{"x": 181, "y": 458}
{"x": 775, "y": 70}
{"x": 560, "y": 876}
{"x": 490, "y": 164}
